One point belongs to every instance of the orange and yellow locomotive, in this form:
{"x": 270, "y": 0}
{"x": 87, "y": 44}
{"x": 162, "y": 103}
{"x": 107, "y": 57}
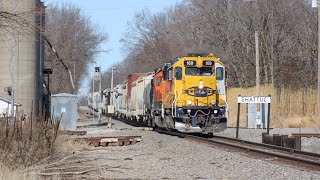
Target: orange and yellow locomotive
{"x": 190, "y": 94}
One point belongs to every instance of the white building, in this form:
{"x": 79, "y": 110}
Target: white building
{"x": 5, "y": 107}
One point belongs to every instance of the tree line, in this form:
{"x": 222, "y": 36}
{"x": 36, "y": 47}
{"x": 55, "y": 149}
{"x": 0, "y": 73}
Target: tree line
{"x": 287, "y": 40}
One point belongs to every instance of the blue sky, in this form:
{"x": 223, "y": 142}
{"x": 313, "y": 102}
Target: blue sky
{"x": 112, "y": 17}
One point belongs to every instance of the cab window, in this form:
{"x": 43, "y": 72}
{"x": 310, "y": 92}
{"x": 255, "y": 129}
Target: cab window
{"x": 219, "y": 73}
{"x": 158, "y": 80}
{"x": 203, "y": 71}
{"x": 178, "y": 73}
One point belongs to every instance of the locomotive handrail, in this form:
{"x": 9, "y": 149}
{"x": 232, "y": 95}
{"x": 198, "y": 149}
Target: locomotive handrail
{"x": 174, "y": 102}
{"x": 162, "y": 111}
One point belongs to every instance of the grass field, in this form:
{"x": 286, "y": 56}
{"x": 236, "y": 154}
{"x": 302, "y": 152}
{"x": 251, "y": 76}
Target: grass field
{"x": 289, "y": 107}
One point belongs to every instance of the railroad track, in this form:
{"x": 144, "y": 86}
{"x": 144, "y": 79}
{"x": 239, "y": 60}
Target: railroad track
{"x": 301, "y": 159}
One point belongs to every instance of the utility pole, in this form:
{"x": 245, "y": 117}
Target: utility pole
{"x": 111, "y": 100}
{"x": 14, "y": 46}
{"x": 92, "y": 99}
{"x": 74, "y": 55}
{"x": 318, "y": 90}
{"x": 257, "y": 63}
{"x": 74, "y": 76}
{"x": 100, "y": 98}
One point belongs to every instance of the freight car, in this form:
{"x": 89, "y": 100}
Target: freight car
{"x": 137, "y": 107}
{"x": 188, "y": 94}
{"x": 121, "y": 98}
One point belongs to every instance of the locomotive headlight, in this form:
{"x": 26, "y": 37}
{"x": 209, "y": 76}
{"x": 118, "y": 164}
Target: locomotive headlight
{"x": 213, "y": 102}
{"x": 189, "y": 111}
{"x": 189, "y": 102}
{"x": 215, "y": 111}
{"x": 201, "y": 85}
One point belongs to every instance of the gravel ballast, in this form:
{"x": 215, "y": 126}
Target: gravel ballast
{"x": 160, "y": 156}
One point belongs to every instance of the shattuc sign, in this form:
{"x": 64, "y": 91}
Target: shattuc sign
{"x": 254, "y": 99}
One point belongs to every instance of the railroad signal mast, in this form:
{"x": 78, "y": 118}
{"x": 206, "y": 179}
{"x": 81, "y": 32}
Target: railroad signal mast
{"x": 111, "y": 107}
{"x": 97, "y": 77}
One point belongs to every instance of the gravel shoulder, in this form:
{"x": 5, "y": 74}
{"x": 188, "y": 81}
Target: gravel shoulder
{"x": 160, "y": 156}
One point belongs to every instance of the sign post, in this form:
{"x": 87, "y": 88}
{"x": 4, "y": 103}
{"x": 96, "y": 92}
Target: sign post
{"x": 253, "y": 99}
{"x": 268, "y": 123}
{"x": 238, "y": 119}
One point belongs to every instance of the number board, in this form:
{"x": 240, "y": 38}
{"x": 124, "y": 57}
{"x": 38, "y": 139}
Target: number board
{"x": 207, "y": 63}
{"x": 190, "y": 63}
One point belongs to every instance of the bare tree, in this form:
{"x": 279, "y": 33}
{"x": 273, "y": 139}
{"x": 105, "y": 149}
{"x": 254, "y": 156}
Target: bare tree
{"x": 76, "y": 39}
{"x": 287, "y": 32}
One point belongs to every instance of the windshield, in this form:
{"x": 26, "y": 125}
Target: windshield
{"x": 219, "y": 73}
{"x": 203, "y": 71}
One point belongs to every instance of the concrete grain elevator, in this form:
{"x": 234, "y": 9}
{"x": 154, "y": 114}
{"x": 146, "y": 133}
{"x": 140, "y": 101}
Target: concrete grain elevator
{"x": 23, "y": 46}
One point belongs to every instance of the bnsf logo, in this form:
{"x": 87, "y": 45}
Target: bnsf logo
{"x": 204, "y": 92}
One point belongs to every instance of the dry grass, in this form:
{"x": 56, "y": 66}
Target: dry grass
{"x": 24, "y": 144}
{"x": 83, "y": 115}
{"x": 28, "y": 146}
{"x": 289, "y": 107}
{"x": 64, "y": 146}
{"x": 6, "y": 173}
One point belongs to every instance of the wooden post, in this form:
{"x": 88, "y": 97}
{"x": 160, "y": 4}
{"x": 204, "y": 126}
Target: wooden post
{"x": 238, "y": 121}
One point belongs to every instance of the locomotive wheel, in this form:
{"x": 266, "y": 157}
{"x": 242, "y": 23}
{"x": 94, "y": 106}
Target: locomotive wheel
{"x": 149, "y": 122}
{"x": 153, "y": 124}
{"x": 157, "y": 120}
{"x": 169, "y": 122}
{"x": 164, "y": 123}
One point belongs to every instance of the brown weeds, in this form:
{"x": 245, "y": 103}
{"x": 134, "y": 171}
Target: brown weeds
{"x": 23, "y": 144}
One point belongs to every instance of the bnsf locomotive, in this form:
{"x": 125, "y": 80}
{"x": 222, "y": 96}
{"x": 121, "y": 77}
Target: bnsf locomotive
{"x": 188, "y": 94}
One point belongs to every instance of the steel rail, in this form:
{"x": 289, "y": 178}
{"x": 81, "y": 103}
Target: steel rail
{"x": 304, "y": 157}
{"x": 297, "y": 156}
{"x": 305, "y": 134}
{"x": 289, "y": 150}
